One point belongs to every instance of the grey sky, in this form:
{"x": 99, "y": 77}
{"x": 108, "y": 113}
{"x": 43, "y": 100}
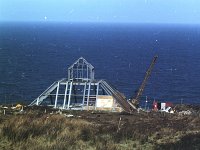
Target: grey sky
{"x": 139, "y": 11}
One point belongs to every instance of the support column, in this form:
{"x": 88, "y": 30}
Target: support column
{"x": 56, "y": 100}
{"x": 72, "y": 74}
{"x": 87, "y": 74}
{"x": 77, "y": 71}
{"x": 70, "y": 92}
{"x": 97, "y": 93}
{"x": 92, "y": 74}
{"x": 82, "y": 76}
{"x": 88, "y": 96}
{"x": 65, "y": 97}
{"x": 69, "y": 75}
{"x": 37, "y": 101}
{"x": 84, "y": 94}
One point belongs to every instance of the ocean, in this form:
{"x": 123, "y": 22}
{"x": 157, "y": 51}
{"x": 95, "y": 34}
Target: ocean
{"x": 34, "y": 55}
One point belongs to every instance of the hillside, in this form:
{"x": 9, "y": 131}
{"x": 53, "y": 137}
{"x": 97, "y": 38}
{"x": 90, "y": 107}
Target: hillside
{"x": 40, "y": 128}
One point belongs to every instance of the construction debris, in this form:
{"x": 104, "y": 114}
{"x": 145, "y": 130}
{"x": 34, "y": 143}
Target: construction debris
{"x": 187, "y": 112}
{"x": 69, "y": 115}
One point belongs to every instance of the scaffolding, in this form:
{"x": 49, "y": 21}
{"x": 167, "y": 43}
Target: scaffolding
{"x": 80, "y": 91}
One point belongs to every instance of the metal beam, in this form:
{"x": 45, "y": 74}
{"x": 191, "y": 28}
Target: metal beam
{"x": 88, "y": 96}
{"x": 56, "y": 100}
{"x": 97, "y": 93}
{"x": 84, "y": 94}
{"x": 37, "y": 101}
{"x": 65, "y": 97}
{"x": 70, "y": 92}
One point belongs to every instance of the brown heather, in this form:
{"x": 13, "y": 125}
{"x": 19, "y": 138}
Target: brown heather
{"x": 36, "y": 130}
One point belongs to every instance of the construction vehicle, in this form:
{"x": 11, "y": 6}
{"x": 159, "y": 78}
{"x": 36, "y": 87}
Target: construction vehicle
{"x": 134, "y": 102}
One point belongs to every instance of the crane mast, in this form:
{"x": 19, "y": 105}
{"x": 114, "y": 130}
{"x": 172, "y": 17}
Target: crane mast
{"x": 136, "y": 99}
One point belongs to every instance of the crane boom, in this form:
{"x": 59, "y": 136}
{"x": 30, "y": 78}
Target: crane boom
{"x": 136, "y": 99}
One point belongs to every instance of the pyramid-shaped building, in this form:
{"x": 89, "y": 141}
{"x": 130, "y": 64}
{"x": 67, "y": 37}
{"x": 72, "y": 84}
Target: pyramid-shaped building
{"x": 81, "y": 91}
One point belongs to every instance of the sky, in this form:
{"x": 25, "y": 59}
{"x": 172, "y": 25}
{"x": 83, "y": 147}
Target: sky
{"x": 122, "y": 11}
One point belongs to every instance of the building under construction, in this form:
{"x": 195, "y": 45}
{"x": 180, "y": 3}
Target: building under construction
{"x": 81, "y": 91}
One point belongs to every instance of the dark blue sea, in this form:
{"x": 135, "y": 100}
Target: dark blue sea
{"x": 34, "y": 55}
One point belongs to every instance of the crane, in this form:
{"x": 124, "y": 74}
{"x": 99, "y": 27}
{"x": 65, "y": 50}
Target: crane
{"x": 134, "y": 102}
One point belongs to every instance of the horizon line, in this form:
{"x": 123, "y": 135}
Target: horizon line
{"x": 97, "y": 22}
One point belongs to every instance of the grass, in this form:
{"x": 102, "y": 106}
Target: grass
{"x": 36, "y": 130}
{"x": 53, "y": 132}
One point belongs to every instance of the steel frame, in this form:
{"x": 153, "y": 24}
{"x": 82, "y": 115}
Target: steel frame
{"x": 80, "y": 90}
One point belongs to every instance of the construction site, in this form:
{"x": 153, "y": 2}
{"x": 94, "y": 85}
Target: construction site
{"x": 81, "y": 91}
{"x": 81, "y": 112}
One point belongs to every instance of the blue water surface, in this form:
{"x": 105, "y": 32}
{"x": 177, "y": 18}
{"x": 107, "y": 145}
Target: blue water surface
{"x": 34, "y": 55}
